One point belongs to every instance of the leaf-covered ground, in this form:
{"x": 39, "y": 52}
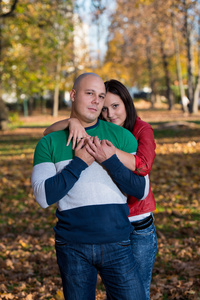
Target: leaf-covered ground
{"x": 27, "y": 257}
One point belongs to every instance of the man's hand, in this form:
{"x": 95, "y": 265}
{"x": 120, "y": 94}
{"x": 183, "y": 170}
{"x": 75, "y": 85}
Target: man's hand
{"x": 100, "y": 150}
{"x": 82, "y": 153}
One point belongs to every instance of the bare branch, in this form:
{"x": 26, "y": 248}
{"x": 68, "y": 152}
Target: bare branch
{"x": 8, "y": 14}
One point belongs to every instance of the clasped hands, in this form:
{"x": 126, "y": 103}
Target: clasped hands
{"x": 90, "y": 149}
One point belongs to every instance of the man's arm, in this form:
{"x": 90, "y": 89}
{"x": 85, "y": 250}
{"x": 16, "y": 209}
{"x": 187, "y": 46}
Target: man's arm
{"x": 127, "y": 181}
{"x": 49, "y": 186}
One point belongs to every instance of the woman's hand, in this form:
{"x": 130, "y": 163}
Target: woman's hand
{"x": 76, "y": 131}
{"x": 100, "y": 150}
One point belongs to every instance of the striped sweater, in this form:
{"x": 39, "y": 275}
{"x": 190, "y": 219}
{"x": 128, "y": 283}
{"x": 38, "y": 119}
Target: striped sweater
{"x": 91, "y": 200}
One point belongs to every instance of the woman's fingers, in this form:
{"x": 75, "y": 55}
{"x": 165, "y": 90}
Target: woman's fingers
{"x": 75, "y": 137}
{"x": 69, "y": 138}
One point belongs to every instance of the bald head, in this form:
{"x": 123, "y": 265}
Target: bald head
{"x": 81, "y": 77}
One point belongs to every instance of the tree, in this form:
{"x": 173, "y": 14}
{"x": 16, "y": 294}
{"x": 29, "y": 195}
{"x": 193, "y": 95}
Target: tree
{"x": 197, "y": 89}
{"x": 151, "y": 40}
{"x": 188, "y": 33}
{"x": 190, "y": 13}
{"x": 31, "y": 46}
{"x": 178, "y": 64}
{"x": 3, "y": 108}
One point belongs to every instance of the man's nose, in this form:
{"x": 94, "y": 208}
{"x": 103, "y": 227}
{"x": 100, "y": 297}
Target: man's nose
{"x": 95, "y": 99}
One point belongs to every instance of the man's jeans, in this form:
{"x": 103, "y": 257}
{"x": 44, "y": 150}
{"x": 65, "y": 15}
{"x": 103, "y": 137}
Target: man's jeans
{"x": 79, "y": 264}
{"x": 144, "y": 246}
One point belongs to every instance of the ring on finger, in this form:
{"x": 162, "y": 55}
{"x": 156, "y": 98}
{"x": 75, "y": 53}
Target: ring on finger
{"x": 79, "y": 138}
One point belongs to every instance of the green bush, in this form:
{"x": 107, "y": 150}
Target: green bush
{"x": 14, "y": 119}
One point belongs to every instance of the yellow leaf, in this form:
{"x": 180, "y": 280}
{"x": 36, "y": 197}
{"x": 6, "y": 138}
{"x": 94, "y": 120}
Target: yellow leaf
{"x": 23, "y": 244}
{"x": 59, "y": 295}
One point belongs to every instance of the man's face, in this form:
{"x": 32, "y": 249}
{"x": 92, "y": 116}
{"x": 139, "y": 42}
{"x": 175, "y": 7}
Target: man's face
{"x": 88, "y": 100}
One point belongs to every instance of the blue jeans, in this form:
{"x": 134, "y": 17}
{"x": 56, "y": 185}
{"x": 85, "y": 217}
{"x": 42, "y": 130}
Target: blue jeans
{"x": 79, "y": 264}
{"x": 144, "y": 247}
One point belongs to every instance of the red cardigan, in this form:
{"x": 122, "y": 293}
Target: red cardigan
{"x": 145, "y": 155}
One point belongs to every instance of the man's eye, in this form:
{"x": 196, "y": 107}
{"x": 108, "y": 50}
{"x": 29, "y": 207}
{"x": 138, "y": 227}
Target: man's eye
{"x": 102, "y": 97}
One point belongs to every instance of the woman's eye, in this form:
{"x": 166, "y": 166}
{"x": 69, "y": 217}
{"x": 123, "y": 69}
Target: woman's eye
{"x": 115, "y": 105}
{"x": 104, "y": 109}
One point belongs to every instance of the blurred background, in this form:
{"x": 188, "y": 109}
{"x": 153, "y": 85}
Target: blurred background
{"x": 153, "y": 47}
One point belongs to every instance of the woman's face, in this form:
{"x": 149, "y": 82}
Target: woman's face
{"x": 114, "y": 110}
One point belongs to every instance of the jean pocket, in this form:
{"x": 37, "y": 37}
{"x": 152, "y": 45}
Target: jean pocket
{"x": 147, "y": 231}
{"x": 126, "y": 243}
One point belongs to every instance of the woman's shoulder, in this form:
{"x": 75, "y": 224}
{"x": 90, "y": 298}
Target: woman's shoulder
{"x": 140, "y": 123}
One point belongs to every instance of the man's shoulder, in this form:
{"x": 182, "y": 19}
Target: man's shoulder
{"x": 55, "y": 135}
{"x": 52, "y": 148}
{"x": 121, "y": 138}
{"x": 52, "y": 138}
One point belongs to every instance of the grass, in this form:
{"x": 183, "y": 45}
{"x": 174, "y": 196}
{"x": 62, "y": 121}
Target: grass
{"x": 27, "y": 255}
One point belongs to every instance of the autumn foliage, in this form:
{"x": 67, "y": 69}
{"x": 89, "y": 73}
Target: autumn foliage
{"x": 27, "y": 257}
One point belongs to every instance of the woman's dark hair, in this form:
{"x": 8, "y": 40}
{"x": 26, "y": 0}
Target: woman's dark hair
{"x": 117, "y": 88}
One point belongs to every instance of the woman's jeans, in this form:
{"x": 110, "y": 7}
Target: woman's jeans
{"x": 144, "y": 247}
{"x": 79, "y": 264}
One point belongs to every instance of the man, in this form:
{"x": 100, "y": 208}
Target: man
{"x": 92, "y": 232}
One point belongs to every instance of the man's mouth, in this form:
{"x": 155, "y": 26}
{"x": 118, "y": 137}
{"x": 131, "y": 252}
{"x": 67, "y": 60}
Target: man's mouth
{"x": 92, "y": 109}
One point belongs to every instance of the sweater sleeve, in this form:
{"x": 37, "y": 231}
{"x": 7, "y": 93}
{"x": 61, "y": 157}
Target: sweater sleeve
{"x": 58, "y": 186}
{"x": 146, "y": 151}
{"x": 128, "y": 182}
{"x": 49, "y": 186}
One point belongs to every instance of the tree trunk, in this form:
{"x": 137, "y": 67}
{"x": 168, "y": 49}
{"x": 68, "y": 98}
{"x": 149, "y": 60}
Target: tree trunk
{"x": 167, "y": 77}
{"x": 151, "y": 81}
{"x": 57, "y": 88}
{"x": 197, "y": 88}
{"x": 189, "y": 57}
{"x": 197, "y": 95}
{"x": 25, "y": 107}
{"x": 8, "y": 14}
{"x": 178, "y": 65}
{"x": 30, "y": 106}
{"x": 3, "y": 115}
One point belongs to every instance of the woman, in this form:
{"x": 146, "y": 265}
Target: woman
{"x": 119, "y": 109}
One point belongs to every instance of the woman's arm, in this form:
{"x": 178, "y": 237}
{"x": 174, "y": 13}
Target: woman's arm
{"x": 146, "y": 151}
{"x": 60, "y": 125}
{"x": 76, "y": 130}
{"x": 142, "y": 162}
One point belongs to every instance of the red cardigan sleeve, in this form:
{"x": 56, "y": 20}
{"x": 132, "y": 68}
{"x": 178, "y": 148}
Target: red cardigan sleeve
{"x": 145, "y": 155}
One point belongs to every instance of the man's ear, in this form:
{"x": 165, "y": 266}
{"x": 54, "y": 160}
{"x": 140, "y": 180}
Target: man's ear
{"x": 72, "y": 95}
